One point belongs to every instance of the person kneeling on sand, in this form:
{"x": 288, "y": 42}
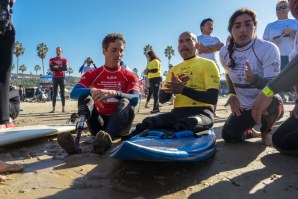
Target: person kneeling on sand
{"x": 6, "y": 167}
{"x": 105, "y": 96}
{"x": 250, "y": 63}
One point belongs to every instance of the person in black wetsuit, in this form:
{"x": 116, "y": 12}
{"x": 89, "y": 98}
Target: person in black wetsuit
{"x": 58, "y": 65}
{"x": 7, "y": 40}
{"x": 285, "y": 138}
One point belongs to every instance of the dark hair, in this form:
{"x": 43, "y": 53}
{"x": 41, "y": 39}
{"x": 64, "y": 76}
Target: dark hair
{"x": 112, "y": 37}
{"x": 152, "y": 55}
{"x": 239, "y": 12}
{"x": 204, "y": 22}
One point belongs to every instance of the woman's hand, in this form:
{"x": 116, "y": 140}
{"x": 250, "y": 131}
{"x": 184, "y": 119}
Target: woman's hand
{"x": 235, "y": 105}
{"x": 248, "y": 73}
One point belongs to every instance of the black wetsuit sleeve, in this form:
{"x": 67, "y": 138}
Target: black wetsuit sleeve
{"x": 164, "y": 97}
{"x": 130, "y": 95}
{"x": 260, "y": 82}
{"x": 210, "y": 96}
{"x": 286, "y": 78}
{"x": 152, "y": 70}
{"x": 231, "y": 89}
{"x": 62, "y": 68}
{"x": 52, "y": 67}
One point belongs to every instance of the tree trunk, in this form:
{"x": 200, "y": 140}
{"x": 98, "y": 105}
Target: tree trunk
{"x": 42, "y": 66}
{"x": 17, "y": 67}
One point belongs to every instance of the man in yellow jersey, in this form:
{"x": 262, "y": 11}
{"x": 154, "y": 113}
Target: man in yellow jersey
{"x": 195, "y": 82}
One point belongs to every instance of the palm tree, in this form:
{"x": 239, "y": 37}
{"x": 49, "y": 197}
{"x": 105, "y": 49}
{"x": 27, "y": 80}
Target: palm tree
{"x": 12, "y": 67}
{"x": 23, "y": 68}
{"x": 42, "y": 51}
{"x": 147, "y": 48}
{"x": 18, "y": 51}
{"x": 37, "y": 68}
{"x": 69, "y": 70}
{"x": 169, "y": 52}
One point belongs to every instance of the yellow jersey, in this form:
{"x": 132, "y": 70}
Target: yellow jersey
{"x": 154, "y": 64}
{"x": 203, "y": 74}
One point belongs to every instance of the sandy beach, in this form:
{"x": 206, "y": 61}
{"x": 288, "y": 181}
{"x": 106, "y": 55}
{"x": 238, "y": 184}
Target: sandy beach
{"x": 245, "y": 170}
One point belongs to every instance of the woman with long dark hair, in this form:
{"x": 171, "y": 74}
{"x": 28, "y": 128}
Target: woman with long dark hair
{"x": 250, "y": 63}
{"x": 153, "y": 70}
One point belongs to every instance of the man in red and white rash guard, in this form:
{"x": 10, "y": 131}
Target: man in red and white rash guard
{"x": 116, "y": 79}
{"x": 58, "y": 65}
{"x": 105, "y": 96}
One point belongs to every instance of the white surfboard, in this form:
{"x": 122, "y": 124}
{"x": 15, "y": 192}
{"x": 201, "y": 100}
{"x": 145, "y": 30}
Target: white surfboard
{"x": 19, "y": 134}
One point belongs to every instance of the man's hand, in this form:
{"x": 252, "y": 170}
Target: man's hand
{"x": 294, "y": 112}
{"x": 287, "y": 31}
{"x": 184, "y": 78}
{"x": 176, "y": 85}
{"x": 56, "y": 66}
{"x": 249, "y": 74}
{"x": 276, "y": 41}
{"x": 235, "y": 105}
{"x": 101, "y": 95}
{"x": 259, "y": 106}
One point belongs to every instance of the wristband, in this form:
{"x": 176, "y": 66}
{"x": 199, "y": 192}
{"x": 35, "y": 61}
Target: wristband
{"x": 268, "y": 92}
{"x": 232, "y": 94}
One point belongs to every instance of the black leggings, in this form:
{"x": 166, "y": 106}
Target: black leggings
{"x": 6, "y": 52}
{"x": 235, "y": 127}
{"x": 285, "y": 138}
{"x": 155, "y": 88}
{"x": 118, "y": 124}
{"x": 149, "y": 94}
{"x": 58, "y": 81}
{"x": 195, "y": 119}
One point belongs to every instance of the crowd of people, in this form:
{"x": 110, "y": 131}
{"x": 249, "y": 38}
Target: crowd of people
{"x": 256, "y": 70}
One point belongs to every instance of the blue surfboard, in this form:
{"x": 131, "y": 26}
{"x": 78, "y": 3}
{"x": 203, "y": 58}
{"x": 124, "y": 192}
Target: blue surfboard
{"x": 167, "y": 146}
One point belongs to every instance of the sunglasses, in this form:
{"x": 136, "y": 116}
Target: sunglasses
{"x": 282, "y": 7}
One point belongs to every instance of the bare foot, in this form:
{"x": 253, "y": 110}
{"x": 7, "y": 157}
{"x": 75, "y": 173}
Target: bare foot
{"x": 53, "y": 111}
{"x": 267, "y": 139}
{"x": 6, "y": 167}
{"x": 256, "y": 134}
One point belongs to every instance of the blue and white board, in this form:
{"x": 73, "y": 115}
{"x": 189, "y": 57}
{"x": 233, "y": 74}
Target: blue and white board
{"x": 20, "y": 134}
{"x": 164, "y": 146}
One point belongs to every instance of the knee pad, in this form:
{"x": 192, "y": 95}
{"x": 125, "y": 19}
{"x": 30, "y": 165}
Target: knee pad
{"x": 229, "y": 135}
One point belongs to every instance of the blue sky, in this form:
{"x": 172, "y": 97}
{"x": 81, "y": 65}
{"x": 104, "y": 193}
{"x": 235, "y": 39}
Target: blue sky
{"x": 79, "y": 26}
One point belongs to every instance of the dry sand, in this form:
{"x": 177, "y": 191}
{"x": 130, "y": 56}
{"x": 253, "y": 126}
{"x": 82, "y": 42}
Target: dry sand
{"x": 237, "y": 171}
